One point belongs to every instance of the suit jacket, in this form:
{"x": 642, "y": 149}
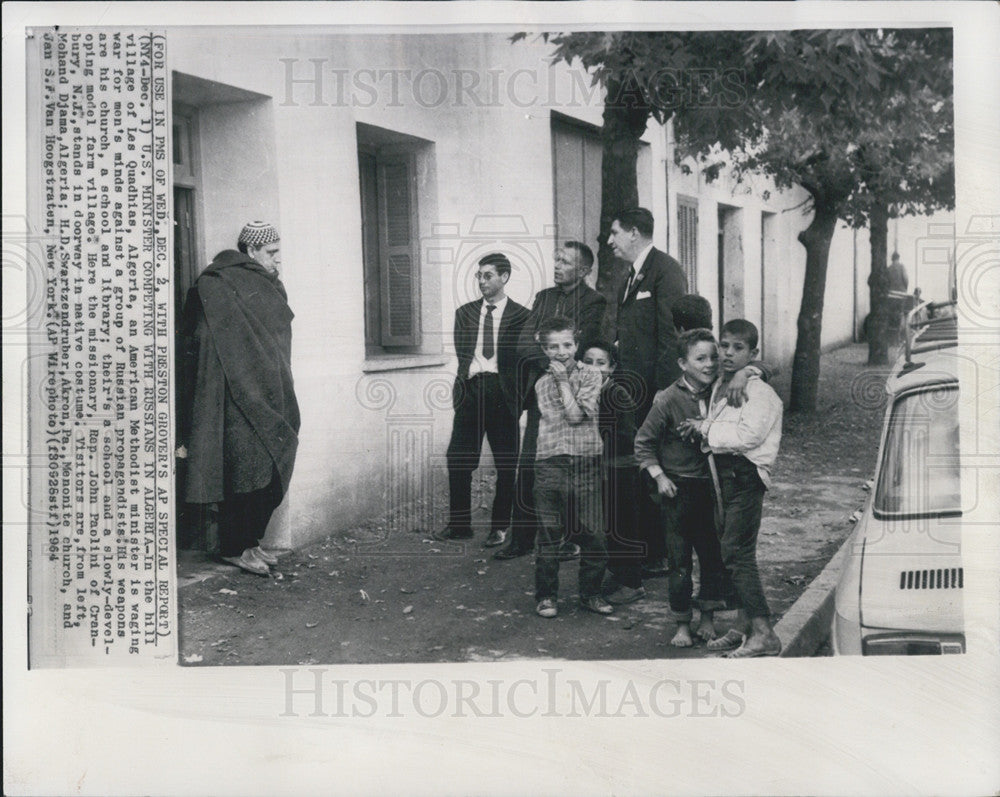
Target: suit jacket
{"x": 644, "y": 326}
{"x": 583, "y": 305}
{"x": 466, "y": 332}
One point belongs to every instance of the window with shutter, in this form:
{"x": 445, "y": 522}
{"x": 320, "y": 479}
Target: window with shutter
{"x": 687, "y": 238}
{"x": 398, "y": 252}
{"x": 576, "y": 171}
{"x": 390, "y": 236}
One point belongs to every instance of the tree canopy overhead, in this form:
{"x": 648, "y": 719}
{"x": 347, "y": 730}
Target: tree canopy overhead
{"x": 855, "y": 117}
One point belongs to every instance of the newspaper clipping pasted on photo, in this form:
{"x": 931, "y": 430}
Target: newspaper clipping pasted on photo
{"x": 101, "y": 491}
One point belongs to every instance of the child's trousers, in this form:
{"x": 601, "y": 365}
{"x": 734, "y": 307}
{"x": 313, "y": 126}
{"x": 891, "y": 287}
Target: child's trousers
{"x": 689, "y": 526}
{"x": 742, "y": 502}
{"x": 569, "y": 487}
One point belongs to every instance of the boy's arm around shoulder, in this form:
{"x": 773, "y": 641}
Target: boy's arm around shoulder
{"x": 747, "y": 427}
{"x": 765, "y": 370}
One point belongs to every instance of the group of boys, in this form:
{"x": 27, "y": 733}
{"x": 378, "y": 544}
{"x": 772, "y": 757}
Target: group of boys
{"x": 590, "y": 438}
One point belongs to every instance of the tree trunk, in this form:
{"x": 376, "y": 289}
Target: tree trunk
{"x": 805, "y": 366}
{"x": 880, "y": 315}
{"x": 624, "y": 123}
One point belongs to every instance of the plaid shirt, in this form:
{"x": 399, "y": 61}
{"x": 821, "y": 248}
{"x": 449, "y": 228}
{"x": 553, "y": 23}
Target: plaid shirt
{"x": 556, "y": 435}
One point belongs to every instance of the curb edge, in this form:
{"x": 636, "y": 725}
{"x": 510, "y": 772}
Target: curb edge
{"x": 806, "y": 625}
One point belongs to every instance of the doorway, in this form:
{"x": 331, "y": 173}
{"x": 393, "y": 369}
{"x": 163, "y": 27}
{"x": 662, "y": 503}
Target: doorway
{"x": 730, "y": 271}
{"x": 195, "y": 522}
{"x": 768, "y": 258}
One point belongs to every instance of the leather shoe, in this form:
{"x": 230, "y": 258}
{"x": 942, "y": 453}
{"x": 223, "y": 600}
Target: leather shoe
{"x": 510, "y": 552}
{"x": 596, "y": 604}
{"x": 496, "y": 538}
{"x": 569, "y": 551}
{"x": 266, "y": 557}
{"x": 451, "y": 533}
{"x": 624, "y": 595}
{"x": 547, "y": 608}
{"x": 247, "y": 561}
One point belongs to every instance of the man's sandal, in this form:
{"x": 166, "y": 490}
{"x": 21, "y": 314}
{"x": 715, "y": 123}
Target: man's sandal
{"x": 731, "y": 640}
{"x": 247, "y": 561}
{"x": 743, "y": 652}
{"x": 266, "y": 557}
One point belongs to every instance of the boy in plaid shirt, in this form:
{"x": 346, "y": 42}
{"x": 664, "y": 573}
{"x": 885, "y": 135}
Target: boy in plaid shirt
{"x": 568, "y": 469}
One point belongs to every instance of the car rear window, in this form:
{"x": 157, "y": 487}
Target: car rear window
{"x": 920, "y": 464}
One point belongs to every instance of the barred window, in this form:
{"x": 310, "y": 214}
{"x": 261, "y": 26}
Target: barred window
{"x": 687, "y": 238}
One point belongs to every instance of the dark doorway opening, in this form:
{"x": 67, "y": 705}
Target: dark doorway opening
{"x": 195, "y": 522}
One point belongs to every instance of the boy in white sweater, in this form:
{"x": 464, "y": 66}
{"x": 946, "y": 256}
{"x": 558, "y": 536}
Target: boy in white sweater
{"x": 744, "y": 444}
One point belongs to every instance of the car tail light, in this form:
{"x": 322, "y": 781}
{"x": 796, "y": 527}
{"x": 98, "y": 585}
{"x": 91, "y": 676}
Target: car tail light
{"x": 911, "y": 645}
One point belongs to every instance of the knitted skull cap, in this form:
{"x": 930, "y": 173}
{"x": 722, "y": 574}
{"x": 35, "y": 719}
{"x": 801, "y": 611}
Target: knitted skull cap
{"x": 258, "y": 233}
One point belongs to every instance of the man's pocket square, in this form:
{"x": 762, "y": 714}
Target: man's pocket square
{"x": 643, "y": 295}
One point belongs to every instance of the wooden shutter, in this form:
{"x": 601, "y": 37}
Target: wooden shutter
{"x": 576, "y": 166}
{"x": 687, "y": 239}
{"x": 398, "y": 251}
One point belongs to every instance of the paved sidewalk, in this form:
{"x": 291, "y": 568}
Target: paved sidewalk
{"x": 358, "y": 596}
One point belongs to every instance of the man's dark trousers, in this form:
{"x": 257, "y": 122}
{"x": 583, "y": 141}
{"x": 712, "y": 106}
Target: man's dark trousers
{"x": 479, "y": 410}
{"x": 524, "y": 524}
{"x": 243, "y": 517}
{"x": 626, "y": 547}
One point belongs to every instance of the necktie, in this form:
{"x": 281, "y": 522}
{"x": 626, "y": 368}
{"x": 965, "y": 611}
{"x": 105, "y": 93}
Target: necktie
{"x": 488, "y": 332}
{"x": 628, "y": 285}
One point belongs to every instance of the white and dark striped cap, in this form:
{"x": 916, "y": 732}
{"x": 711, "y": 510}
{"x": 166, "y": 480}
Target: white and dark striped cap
{"x": 258, "y": 233}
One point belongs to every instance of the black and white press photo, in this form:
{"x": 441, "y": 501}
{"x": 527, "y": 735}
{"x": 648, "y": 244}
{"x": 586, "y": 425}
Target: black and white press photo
{"x": 587, "y": 369}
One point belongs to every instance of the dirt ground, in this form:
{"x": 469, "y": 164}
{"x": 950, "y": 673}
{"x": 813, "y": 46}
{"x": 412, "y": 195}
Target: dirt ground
{"x": 361, "y": 596}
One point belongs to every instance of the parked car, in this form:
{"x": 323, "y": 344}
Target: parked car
{"x": 900, "y": 592}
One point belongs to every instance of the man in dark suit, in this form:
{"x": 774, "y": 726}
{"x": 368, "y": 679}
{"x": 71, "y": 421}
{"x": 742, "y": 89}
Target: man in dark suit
{"x": 647, "y": 340}
{"x": 570, "y": 298}
{"x": 487, "y": 400}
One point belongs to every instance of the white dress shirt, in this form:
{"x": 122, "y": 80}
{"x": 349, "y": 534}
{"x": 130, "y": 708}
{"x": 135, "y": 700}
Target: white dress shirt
{"x": 480, "y": 365}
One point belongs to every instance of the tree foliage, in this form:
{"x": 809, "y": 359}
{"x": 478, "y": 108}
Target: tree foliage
{"x": 857, "y": 118}
{"x": 905, "y": 162}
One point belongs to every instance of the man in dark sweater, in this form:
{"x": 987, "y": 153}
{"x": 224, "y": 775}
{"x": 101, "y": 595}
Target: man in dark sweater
{"x": 571, "y": 298}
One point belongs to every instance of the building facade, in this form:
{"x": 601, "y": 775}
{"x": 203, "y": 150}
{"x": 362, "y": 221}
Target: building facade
{"x": 390, "y": 165}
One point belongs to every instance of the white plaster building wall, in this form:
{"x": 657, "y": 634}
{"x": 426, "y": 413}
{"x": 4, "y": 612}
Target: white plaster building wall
{"x": 236, "y": 194}
{"x": 493, "y": 190}
{"x": 784, "y": 290}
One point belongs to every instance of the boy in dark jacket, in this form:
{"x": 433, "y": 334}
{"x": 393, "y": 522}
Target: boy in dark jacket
{"x": 680, "y": 469}
{"x": 617, "y": 425}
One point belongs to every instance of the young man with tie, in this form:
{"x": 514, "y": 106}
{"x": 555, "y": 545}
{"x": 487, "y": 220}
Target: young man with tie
{"x": 486, "y": 398}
